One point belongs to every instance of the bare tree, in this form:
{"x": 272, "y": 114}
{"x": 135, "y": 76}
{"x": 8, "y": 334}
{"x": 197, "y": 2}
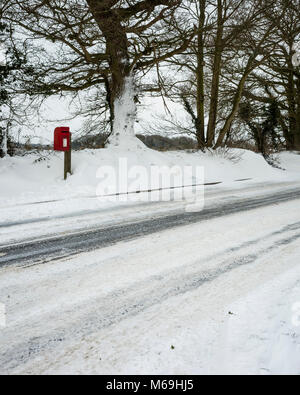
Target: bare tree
{"x": 234, "y": 38}
{"x": 12, "y": 66}
{"x": 278, "y": 78}
{"x": 98, "y": 43}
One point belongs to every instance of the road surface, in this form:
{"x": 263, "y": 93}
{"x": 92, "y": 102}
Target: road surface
{"x": 67, "y": 245}
{"x": 115, "y": 299}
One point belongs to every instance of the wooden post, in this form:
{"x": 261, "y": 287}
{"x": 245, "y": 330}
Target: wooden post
{"x": 68, "y": 163}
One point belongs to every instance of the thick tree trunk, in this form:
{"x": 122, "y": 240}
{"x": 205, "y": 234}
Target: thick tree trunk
{"x": 297, "y": 134}
{"x": 110, "y": 103}
{"x": 286, "y": 133}
{"x": 239, "y": 92}
{"x": 214, "y": 94}
{"x": 291, "y": 100}
{"x": 125, "y": 115}
{"x": 4, "y": 148}
{"x": 235, "y": 108}
{"x": 116, "y": 43}
{"x": 200, "y": 78}
{"x": 3, "y": 142}
{"x": 121, "y": 86}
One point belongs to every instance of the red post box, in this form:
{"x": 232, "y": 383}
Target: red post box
{"x": 62, "y": 142}
{"x": 62, "y": 139}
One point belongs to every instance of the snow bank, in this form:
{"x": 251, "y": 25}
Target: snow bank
{"x": 290, "y": 161}
{"x": 29, "y": 179}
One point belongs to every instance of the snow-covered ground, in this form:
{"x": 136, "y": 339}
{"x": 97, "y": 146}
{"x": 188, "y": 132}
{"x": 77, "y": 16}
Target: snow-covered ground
{"x": 213, "y": 297}
{"x": 35, "y": 200}
{"x": 218, "y": 296}
{"x": 35, "y": 178}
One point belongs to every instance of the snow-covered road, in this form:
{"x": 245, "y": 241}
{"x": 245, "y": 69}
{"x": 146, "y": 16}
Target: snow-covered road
{"x": 71, "y": 243}
{"x": 216, "y": 296}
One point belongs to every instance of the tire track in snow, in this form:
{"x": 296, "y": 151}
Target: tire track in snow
{"x": 63, "y": 246}
{"x": 130, "y": 301}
